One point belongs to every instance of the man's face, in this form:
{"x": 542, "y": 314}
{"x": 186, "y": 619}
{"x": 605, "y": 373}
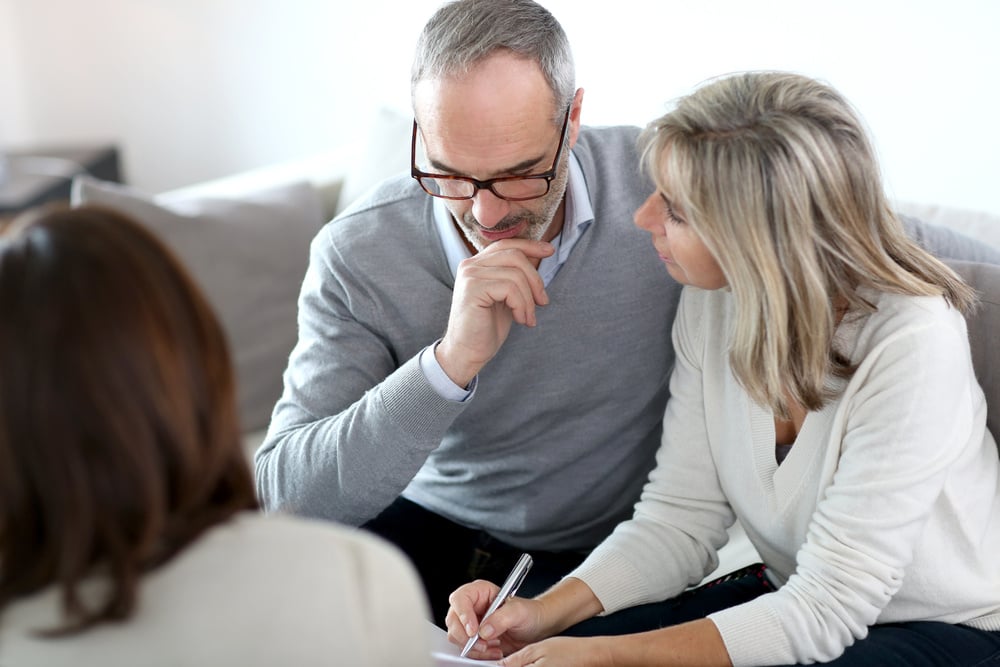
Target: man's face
{"x": 532, "y": 219}
{"x": 496, "y": 121}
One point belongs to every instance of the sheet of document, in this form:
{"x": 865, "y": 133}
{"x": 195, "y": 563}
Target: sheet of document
{"x": 445, "y": 653}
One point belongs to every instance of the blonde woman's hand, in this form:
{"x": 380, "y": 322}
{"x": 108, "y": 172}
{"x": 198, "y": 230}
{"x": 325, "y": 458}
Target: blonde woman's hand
{"x": 514, "y": 625}
{"x": 563, "y": 652}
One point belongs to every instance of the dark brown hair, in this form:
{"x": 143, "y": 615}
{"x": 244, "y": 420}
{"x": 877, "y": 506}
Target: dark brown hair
{"x": 119, "y": 438}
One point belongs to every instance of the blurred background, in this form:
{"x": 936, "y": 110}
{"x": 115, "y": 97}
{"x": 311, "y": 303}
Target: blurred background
{"x": 189, "y": 90}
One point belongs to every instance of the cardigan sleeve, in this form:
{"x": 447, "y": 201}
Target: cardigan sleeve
{"x": 909, "y": 413}
{"x": 681, "y": 518}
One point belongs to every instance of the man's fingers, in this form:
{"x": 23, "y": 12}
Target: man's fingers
{"x": 520, "y": 288}
{"x": 512, "y": 267}
{"x": 534, "y": 249}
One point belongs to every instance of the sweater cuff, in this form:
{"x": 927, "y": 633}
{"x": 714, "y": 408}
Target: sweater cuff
{"x": 439, "y": 379}
{"x": 613, "y": 579}
{"x": 744, "y": 631}
{"x": 413, "y": 403}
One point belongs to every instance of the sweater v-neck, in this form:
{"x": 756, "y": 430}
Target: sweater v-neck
{"x": 781, "y": 484}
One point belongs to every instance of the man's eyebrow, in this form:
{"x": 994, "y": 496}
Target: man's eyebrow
{"x": 523, "y": 167}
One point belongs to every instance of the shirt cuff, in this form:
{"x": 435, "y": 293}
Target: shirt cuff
{"x": 439, "y": 380}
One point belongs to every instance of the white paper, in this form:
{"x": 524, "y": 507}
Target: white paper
{"x": 445, "y": 653}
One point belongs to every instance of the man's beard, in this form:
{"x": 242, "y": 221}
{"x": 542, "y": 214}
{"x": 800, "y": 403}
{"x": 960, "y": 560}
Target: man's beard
{"x": 535, "y": 228}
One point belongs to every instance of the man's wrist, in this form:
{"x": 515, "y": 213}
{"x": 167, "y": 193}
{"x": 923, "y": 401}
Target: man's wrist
{"x": 440, "y": 380}
{"x": 461, "y": 374}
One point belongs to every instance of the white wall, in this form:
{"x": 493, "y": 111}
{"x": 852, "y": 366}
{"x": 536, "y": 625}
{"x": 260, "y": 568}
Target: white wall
{"x": 13, "y": 122}
{"x": 192, "y": 89}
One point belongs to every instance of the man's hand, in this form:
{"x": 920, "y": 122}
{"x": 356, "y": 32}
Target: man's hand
{"x": 494, "y": 288}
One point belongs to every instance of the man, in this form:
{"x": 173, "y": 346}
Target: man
{"x": 531, "y": 423}
{"x": 482, "y": 371}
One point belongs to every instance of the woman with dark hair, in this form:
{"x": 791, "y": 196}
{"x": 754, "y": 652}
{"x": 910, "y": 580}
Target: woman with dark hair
{"x": 128, "y": 524}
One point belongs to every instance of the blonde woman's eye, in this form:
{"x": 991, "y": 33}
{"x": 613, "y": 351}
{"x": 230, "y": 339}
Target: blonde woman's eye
{"x": 671, "y": 213}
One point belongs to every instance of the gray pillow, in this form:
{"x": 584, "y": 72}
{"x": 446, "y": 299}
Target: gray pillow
{"x": 249, "y": 255}
{"x": 984, "y": 327}
{"x": 946, "y": 243}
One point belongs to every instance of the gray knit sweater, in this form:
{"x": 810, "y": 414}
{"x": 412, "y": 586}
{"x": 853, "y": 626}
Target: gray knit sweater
{"x": 554, "y": 446}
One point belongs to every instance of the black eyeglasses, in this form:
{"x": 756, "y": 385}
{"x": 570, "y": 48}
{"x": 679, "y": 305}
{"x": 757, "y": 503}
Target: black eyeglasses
{"x": 511, "y": 188}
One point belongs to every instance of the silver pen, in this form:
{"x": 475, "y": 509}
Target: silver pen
{"x": 507, "y": 591}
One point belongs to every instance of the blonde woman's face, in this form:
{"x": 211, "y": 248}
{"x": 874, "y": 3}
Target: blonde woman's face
{"x": 683, "y": 252}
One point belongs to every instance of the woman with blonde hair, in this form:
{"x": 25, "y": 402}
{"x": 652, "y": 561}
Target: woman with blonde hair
{"x": 128, "y": 526}
{"x": 823, "y": 395}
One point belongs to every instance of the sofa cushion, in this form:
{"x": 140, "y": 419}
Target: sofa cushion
{"x": 249, "y": 255}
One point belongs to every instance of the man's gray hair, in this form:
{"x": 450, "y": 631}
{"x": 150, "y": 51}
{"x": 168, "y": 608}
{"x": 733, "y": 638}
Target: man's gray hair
{"x": 464, "y": 32}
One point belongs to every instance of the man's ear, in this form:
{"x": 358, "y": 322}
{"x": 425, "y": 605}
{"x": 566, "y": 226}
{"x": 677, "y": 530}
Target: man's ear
{"x": 574, "y": 117}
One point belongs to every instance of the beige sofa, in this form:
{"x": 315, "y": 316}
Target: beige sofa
{"x": 245, "y": 238}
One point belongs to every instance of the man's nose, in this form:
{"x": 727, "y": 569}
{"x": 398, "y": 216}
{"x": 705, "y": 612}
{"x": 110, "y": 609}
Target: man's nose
{"x": 488, "y": 208}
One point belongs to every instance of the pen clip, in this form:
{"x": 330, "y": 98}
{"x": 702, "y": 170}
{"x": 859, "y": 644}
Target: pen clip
{"x": 517, "y": 576}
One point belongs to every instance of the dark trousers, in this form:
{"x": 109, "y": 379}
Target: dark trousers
{"x": 447, "y": 555}
{"x": 913, "y": 644}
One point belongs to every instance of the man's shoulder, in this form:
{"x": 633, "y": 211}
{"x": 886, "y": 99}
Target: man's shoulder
{"x": 608, "y": 138}
{"x": 398, "y": 193}
{"x": 609, "y": 151}
{"x": 609, "y": 158}
{"x": 393, "y": 204}
{"x": 391, "y": 219}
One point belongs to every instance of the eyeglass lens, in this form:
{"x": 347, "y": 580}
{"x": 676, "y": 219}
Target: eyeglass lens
{"x": 521, "y": 188}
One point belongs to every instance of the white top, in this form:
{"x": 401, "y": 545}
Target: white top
{"x": 254, "y": 591}
{"x": 886, "y": 509}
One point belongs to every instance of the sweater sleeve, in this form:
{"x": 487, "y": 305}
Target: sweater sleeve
{"x": 681, "y": 518}
{"x": 908, "y": 416}
{"x": 351, "y": 429}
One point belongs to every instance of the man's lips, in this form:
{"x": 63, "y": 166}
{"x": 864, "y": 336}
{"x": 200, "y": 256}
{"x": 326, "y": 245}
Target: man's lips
{"x": 507, "y": 233}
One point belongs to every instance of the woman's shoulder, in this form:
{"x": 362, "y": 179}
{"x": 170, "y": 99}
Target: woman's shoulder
{"x": 280, "y": 534}
{"x": 904, "y": 312}
{"x": 703, "y": 307}
{"x": 913, "y": 326}
{"x": 308, "y": 569}
{"x": 256, "y": 589}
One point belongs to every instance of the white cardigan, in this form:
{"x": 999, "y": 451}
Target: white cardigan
{"x": 886, "y": 509}
{"x": 254, "y": 591}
